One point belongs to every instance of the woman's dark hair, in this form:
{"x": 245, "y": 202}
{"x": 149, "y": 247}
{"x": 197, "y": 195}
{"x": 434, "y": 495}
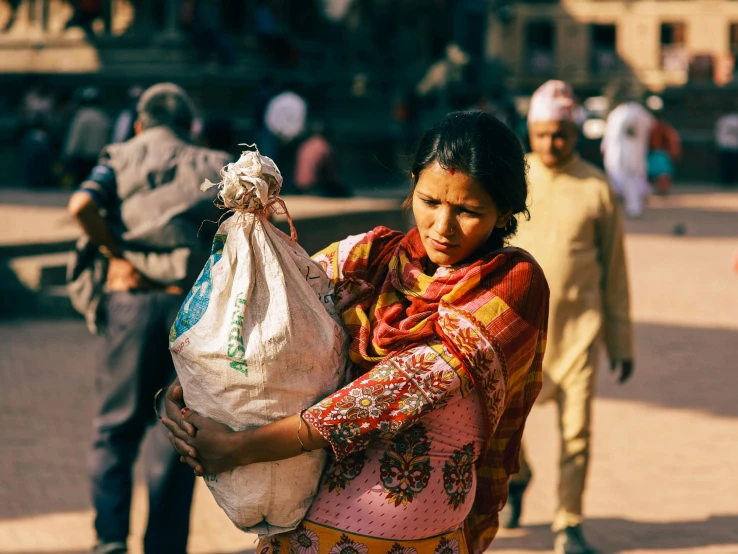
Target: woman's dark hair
{"x": 484, "y": 148}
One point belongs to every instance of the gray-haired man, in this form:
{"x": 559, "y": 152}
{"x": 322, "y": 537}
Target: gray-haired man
{"x": 141, "y": 208}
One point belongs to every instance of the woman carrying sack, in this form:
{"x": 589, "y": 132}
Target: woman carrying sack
{"x": 448, "y": 331}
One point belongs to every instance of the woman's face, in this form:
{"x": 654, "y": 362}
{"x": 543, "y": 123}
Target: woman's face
{"x": 454, "y": 214}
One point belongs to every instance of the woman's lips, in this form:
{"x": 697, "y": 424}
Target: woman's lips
{"x": 442, "y": 246}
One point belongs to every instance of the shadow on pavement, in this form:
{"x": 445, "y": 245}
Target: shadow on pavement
{"x": 694, "y": 222}
{"x": 681, "y": 368}
{"x": 48, "y": 374}
{"x": 625, "y": 535}
{"x": 20, "y": 196}
{"x": 13, "y": 294}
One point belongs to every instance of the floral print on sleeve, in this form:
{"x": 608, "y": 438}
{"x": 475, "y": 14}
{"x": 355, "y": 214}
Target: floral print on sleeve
{"x": 386, "y": 400}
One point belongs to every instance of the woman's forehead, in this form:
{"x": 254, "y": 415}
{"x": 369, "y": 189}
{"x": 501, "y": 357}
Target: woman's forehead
{"x": 451, "y": 185}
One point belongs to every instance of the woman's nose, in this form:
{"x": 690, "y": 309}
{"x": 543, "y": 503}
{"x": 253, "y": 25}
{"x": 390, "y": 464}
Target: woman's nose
{"x": 444, "y": 223}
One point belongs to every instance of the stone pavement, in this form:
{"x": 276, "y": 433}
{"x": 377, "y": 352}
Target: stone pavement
{"x": 663, "y": 473}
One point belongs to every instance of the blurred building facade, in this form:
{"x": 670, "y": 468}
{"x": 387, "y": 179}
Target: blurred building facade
{"x": 359, "y": 63}
{"x": 660, "y": 43}
{"x": 591, "y": 42}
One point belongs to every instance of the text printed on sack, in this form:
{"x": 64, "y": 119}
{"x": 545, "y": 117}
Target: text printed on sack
{"x": 329, "y": 299}
{"x": 181, "y": 346}
{"x": 236, "y": 350}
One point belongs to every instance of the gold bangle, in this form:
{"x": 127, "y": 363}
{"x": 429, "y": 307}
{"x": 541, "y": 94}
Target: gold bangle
{"x": 156, "y": 397}
{"x": 299, "y": 427}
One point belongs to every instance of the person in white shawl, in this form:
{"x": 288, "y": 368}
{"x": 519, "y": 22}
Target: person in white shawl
{"x": 625, "y": 150}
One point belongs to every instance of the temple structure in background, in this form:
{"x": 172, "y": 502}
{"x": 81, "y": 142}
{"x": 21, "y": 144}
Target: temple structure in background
{"x": 660, "y": 43}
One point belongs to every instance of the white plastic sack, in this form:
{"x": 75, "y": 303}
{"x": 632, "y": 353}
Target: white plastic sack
{"x": 256, "y": 340}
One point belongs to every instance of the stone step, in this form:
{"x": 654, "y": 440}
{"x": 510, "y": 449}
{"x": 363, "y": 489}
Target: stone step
{"x": 37, "y": 272}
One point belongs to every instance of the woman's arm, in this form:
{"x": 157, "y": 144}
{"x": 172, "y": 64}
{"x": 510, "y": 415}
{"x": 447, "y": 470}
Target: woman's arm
{"x": 381, "y": 403}
{"x": 214, "y": 448}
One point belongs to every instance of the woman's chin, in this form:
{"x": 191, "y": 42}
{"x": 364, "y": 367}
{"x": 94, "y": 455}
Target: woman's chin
{"x": 442, "y": 259}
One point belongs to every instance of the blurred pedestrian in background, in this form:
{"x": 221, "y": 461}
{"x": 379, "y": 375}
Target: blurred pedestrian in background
{"x": 124, "y": 128}
{"x": 38, "y": 99}
{"x": 444, "y": 78}
{"x": 285, "y": 118}
{"x": 665, "y": 148}
{"x": 575, "y": 233}
{"x": 37, "y": 153}
{"x": 726, "y": 141}
{"x": 625, "y": 149}
{"x": 141, "y": 209}
{"x": 34, "y": 136}
{"x": 89, "y": 131}
{"x": 316, "y": 168}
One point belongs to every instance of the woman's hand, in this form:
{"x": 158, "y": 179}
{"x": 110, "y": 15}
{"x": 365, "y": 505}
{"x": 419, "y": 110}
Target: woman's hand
{"x": 210, "y": 447}
{"x": 173, "y": 405}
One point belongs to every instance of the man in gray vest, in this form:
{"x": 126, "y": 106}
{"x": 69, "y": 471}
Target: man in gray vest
{"x": 141, "y": 209}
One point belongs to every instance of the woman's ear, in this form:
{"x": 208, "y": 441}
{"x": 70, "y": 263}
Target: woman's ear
{"x": 503, "y": 219}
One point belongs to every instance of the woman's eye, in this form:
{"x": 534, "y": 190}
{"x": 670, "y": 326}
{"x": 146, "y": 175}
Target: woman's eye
{"x": 469, "y": 213}
{"x": 430, "y": 202}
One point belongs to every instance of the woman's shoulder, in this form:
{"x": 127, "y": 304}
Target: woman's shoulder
{"x": 357, "y": 252}
{"x": 374, "y": 248}
{"x": 520, "y": 260}
{"x": 378, "y": 234}
{"x": 521, "y": 283}
{"x": 523, "y": 268}
{"x": 384, "y": 233}
{"x": 368, "y": 245}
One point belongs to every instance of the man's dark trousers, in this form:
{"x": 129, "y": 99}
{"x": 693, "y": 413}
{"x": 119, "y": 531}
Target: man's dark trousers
{"x": 137, "y": 364}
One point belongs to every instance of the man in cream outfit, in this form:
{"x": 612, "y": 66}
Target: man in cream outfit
{"x": 575, "y": 233}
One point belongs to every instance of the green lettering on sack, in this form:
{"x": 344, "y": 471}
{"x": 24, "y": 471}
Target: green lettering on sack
{"x": 240, "y": 366}
{"x": 236, "y": 351}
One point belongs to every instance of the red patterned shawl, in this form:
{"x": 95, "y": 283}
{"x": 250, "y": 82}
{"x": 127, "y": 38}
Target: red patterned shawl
{"x": 388, "y": 304}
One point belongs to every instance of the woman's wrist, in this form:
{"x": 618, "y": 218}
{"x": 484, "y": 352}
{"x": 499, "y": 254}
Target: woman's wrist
{"x": 243, "y": 453}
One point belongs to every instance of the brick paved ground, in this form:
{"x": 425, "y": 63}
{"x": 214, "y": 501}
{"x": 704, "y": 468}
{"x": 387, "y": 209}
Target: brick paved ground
{"x": 663, "y": 478}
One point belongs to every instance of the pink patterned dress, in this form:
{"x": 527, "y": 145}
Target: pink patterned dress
{"x": 428, "y": 417}
{"x": 407, "y": 479}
